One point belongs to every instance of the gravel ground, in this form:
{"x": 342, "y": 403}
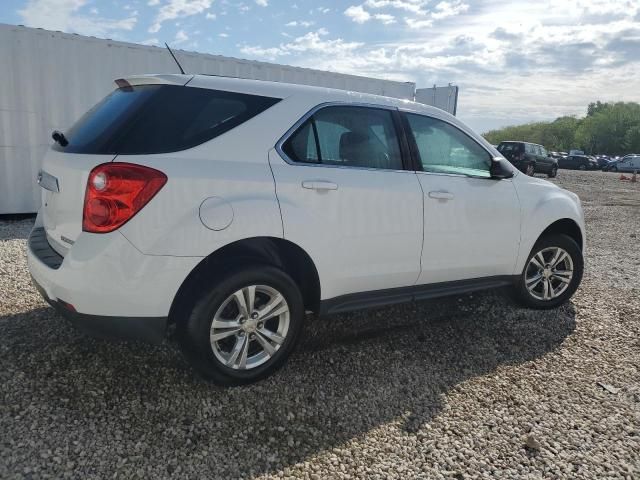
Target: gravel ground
{"x": 470, "y": 387}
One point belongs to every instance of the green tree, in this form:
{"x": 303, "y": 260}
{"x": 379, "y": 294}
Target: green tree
{"x": 609, "y": 128}
{"x": 632, "y": 139}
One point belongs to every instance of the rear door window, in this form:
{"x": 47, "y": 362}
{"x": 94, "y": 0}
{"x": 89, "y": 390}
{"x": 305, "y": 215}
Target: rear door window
{"x": 159, "y": 119}
{"x": 347, "y": 136}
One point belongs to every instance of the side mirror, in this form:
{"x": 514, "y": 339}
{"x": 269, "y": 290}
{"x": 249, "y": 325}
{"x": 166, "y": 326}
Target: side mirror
{"x": 500, "y": 169}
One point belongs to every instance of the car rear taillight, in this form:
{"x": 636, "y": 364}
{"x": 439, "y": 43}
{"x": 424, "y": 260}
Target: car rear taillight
{"x": 116, "y": 192}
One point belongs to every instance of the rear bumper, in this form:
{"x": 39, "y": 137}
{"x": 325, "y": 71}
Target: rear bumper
{"x": 105, "y": 286}
{"x": 148, "y": 329}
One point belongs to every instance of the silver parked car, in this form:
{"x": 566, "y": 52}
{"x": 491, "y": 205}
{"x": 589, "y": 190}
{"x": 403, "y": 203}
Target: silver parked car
{"x": 629, "y": 163}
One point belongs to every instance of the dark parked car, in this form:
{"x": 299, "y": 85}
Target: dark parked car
{"x": 579, "y": 162}
{"x": 529, "y": 158}
{"x": 558, "y": 155}
{"x": 603, "y": 161}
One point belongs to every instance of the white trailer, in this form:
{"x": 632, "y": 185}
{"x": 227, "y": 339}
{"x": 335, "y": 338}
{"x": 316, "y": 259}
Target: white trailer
{"x": 48, "y": 79}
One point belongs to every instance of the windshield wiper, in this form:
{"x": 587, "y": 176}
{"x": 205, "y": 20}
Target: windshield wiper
{"x": 59, "y": 137}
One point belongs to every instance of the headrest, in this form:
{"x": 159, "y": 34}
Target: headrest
{"x": 350, "y": 141}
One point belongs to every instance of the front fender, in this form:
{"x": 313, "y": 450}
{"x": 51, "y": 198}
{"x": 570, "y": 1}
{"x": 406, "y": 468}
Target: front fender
{"x": 542, "y": 204}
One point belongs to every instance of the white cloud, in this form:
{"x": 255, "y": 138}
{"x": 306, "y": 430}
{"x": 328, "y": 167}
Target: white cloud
{"x": 449, "y": 9}
{"x": 262, "y": 3}
{"x": 211, "y": 16}
{"x": 311, "y": 43}
{"x": 385, "y": 18}
{"x": 63, "y": 15}
{"x": 151, "y": 41}
{"x": 357, "y": 13}
{"x": 153, "y": 3}
{"x": 181, "y": 37}
{"x": 422, "y": 18}
{"x": 223, "y": 35}
{"x": 418, "y": 24}
{"x": 178, "y": 9}
{"x": 413, "y": 6}
{"x": 303, "y": 23}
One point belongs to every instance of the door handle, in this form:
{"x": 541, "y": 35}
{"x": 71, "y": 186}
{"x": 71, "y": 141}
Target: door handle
{"x": 319, "y": 185}
{"x": 441, "y": 195}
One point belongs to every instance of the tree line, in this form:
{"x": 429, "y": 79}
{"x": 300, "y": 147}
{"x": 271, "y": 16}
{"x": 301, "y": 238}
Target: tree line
{"x": 608, "y": 128}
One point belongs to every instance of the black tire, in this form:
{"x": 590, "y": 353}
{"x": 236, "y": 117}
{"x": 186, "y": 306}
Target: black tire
{"x": 582, "y": 167}
{"x": 548, "y": 241}
{"x": 553, "y": 172}
{"x": 615, "y": 168}
{"x": 194, "y": 333}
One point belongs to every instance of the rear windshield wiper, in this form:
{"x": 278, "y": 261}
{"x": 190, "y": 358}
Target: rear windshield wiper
{"x": 59, "y": 137}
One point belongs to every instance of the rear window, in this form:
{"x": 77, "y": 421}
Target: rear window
{"x": 159, "y": 119}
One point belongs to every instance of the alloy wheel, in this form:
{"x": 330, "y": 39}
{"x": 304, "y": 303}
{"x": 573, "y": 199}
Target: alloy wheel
{"x": 530, "y": 170}
{"x": 549, "y": 273}
{"x": 249, "y": 327}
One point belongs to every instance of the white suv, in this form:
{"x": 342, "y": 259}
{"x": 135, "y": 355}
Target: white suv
{"x": 231, "y": 207}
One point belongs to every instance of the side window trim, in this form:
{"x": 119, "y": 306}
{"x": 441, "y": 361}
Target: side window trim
{"x": 316, "y": 139}
{"x": 415, "y": 155}
{"x": 406, "y": 153}
{"x": 400, "y": 133}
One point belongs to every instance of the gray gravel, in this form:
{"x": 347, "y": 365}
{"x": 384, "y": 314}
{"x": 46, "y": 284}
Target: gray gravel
{"x": 471, "y": 387}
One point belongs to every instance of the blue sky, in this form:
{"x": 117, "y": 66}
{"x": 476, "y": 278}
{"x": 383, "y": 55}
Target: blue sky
{"x": 515, "y": 60}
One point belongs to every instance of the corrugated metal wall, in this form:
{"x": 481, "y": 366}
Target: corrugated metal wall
{"x": 444, "y": 98}
{"x": 48, "y": 79}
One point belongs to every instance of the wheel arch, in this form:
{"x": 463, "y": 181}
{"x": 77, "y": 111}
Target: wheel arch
{"x": 273, "y": 251}
{"x": 565, "y": 226}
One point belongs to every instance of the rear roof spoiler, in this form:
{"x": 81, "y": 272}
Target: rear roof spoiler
{"x": 168, "y": 79}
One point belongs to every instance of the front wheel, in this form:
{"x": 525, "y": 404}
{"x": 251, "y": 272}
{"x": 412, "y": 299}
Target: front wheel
{"x": 582, "y": 167}
{"x": 245, "y": 327}
{"x": 552, "y": 273}
{"x": 553, "y": 172}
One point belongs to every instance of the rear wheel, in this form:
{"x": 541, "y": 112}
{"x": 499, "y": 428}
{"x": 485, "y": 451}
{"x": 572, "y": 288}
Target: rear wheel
{"x": 553, "y": 172}
{"x": 245, "y": 327}
{"x": 552, "y": 273}
{"x": 582, "y": 167}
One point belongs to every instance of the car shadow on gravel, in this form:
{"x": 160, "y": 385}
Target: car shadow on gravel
{"x": 140, "y": 406}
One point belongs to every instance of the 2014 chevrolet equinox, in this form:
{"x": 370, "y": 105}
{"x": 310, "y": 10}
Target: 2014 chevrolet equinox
{"x": 230, "y": 207}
